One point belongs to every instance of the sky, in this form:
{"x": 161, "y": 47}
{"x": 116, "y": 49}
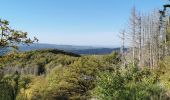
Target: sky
{"x": 74, "y": 22}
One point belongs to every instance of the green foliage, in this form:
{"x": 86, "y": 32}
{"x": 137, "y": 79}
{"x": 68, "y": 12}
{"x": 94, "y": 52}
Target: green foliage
{"x": 164, "y": 72}
{"x": 72, "y": 82}
{"x": 9, "y": 86}
{"x": 113, "y": 58}
{"x": 130, "y": 84}
{"x": 36, "y": 62}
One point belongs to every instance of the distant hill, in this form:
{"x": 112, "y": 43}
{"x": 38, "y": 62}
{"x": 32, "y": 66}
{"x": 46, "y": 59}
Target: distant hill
{"x": 34, "y": 62}
{"x": 97, "y": 51}
{"x": 75, "y": 49}
{"x": 84, "y": 50}
{"x": 53, "y": 46}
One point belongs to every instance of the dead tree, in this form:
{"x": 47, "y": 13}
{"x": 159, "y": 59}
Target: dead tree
{"x": 122, "y": 37}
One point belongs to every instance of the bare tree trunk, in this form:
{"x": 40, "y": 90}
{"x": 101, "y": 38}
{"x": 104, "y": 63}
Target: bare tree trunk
{"x": 140, "y": 41}
{"x": 133, "y": 24}
{"x": 122, "y": 47}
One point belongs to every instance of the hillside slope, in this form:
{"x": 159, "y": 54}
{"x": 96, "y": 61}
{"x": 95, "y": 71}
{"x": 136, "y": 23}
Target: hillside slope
{"x": 34, "y": 62}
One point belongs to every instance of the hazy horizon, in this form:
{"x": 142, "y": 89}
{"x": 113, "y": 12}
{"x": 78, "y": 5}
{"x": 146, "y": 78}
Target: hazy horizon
{"x": 95, "y": 46}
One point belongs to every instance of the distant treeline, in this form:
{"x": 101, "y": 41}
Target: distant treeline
{"x": 98, "y": 51}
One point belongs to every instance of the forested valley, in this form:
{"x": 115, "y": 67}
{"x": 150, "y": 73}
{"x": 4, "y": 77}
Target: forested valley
{"x": 141, "y": 72}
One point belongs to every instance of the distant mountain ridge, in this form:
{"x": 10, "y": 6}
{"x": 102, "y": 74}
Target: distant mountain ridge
{"x": 71, "y": 48}
{"x": 97, "y": 51}
{"x": 53, "y": 46}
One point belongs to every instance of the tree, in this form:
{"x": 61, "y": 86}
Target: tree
{"x": 11, "y": 38}
{"x": 122, "y": 37}
{"x": 148, "y": 38}
{"x": 133, "y": 37}
{"x": 133, "y": 24}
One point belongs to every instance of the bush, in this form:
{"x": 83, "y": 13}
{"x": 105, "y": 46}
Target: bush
{"x": 130, "y": 84}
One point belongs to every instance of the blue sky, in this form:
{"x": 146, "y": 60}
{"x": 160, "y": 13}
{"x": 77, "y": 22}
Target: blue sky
{"x": 73, "y": 22}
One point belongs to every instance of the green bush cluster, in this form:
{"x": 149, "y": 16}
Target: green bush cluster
{"x": 129, "y": 84}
